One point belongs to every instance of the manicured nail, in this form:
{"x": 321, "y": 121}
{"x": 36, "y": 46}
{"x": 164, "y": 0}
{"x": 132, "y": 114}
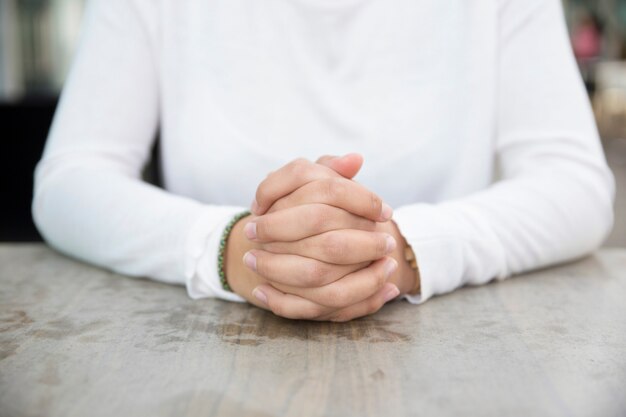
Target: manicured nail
{"x": 250, "y": 230}
{"x": 391, "y": 293}
{"x": 386, "y": 212}
{"x": 391, "y": 243}
{"x": 390, "y": 267}
{"x": 260, "y": 295}
{"x": 255, "y": 207}
{"x": 250, "y": 260}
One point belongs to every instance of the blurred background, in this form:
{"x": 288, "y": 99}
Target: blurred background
{"x": 37, "y": 41}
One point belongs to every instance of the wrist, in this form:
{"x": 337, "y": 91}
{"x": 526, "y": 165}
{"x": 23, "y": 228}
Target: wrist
{"x": 241, "y": 279}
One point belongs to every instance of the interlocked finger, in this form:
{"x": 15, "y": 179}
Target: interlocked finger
{"x": 351, "y": 289}
{"x": 295, "y": 270}
{"x": 285, "y": 180}
{"x": 339, "y": 192}
{"x": 366, "y": 307}
{"x": 296, "y": 223}
{"x": 346, "y": 246}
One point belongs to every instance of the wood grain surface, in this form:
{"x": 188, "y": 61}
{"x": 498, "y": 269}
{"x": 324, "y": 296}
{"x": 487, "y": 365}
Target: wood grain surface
{"x": 79, "y": 341}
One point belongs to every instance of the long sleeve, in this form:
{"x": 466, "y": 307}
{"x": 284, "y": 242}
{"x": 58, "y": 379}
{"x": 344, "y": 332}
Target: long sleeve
{"x": 89, "y": 199}
{"x": 553, "y": 200}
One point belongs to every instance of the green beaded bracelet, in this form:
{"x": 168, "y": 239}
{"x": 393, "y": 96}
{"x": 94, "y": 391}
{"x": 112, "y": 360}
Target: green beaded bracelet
{"x": 220, "y": 252}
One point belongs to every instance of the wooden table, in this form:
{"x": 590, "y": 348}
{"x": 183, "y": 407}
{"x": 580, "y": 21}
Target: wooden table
{"x": 79, "y": 341}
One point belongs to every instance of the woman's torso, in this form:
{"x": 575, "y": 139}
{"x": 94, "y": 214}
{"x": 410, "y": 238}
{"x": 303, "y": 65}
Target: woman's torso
{"x": 247, "y": 86}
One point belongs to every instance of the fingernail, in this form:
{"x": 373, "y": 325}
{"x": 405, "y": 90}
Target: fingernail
{"x": 390, "y": 267}
{"x": 250, "y": 230}
{"x": 250, "y": 260}
{"x": 391, "y": 293}
{"x": 386, "y": 212}
{"x": 255, "y": 207}
{"x": 391, "y": 242}
{"x": 260, "y": 295}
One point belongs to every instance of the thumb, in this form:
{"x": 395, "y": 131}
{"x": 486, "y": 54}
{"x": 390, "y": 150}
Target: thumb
{"x": 347, "y": 166}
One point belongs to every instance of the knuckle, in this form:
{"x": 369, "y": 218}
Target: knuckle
{"x": 278, "y": 309}
{"x": 299, "y": 162}
{"x": 333, "y": 246}
{"x": 262, "y": 265}
{"x": 379, "y": 278}
{"x": 263, "y": 228}
{"x": 373, "y": 305}
{"x": 341, "y": 318}
{"x": 319, "y": 216}
{"x": 367, "y": 225}
{"x": 336, "y": 296}
{"x": 316, "y": 274}
{"x": 275, "y": 247}
{"x": 376, "y": 204}
{"x": 315, "y": 311}
{"x": 334, "y": 189}
{"x": 380, "y": 245}
{"x": 280, "y": 204}
{"x": 299, "y": 168}
{"x": 323, "y": 159}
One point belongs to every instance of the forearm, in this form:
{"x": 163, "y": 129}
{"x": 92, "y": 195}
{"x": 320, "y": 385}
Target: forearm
{"x": 513, "y": 227}
{"x": 113, "y": 221}
{"x": 125, "y": 225}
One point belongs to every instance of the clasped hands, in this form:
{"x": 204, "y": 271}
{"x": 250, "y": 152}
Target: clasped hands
{"x": 318, "y": 245}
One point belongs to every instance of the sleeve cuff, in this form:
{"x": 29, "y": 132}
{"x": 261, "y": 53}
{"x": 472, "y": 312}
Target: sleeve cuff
{"x": 439, "y": 255}
{"x": 202, "y": 278}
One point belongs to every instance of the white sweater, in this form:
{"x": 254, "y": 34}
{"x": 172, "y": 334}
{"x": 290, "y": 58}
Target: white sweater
{"x": 470, "y": 114}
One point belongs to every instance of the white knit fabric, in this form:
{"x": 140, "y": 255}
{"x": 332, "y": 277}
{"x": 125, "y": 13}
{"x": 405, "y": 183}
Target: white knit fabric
{"x": 470, "y": 114}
